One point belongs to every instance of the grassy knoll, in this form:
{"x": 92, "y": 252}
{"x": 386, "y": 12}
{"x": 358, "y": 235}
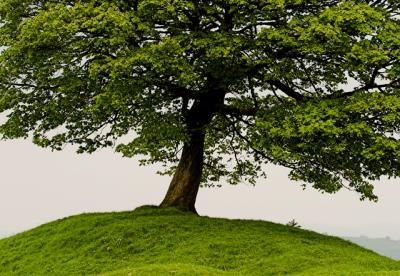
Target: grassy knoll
{"x": 152, "y": 241}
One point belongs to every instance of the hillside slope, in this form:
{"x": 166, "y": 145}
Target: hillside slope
{"x": 152, "y": 241}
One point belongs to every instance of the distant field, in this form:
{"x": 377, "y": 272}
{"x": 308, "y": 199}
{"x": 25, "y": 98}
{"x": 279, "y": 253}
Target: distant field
{"x": 152, "y": 241}
{"x": 384, "y": 246}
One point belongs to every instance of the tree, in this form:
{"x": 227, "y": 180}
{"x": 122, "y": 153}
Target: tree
{"x": 211, "y": 89}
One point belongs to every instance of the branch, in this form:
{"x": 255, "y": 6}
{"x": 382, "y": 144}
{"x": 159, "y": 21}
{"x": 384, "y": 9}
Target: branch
{"x": 276, "y": 95}
{"x": 364, "y": 88}
{"x": 253, "y": 94}
{"x": 27, "y": 85}
{"x": 248, "y": 142}
{"x": 232, "y": 110}
{"x": 287, "y": 90}
{"x": 373, "y": 77}
{"x": 239, "y": 164}
{"x": 256, "y": 151}
{"x": 307, "y": 72}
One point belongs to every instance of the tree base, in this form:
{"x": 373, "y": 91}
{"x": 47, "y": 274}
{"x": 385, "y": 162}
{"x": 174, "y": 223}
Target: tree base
{"x": 180, "y": 207}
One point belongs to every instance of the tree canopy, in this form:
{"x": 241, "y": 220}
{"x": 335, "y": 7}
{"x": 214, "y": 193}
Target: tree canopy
{"x": 312, "y": 85}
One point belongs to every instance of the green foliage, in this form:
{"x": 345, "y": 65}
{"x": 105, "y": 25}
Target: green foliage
{"x": 152, "y": 241}
{"x": 270, "y": 74}
{"x": 337, "y": 141}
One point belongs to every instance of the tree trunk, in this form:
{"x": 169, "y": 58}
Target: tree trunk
{"x": 182, "y": 191}
{"x": 185, "y": 183}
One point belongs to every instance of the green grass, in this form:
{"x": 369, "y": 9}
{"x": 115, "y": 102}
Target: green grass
{"x": 152, "y": 241}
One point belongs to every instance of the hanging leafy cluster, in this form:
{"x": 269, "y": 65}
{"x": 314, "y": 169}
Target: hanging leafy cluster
{"x": 312, "y": 85}
{"x": 340, "y": 142}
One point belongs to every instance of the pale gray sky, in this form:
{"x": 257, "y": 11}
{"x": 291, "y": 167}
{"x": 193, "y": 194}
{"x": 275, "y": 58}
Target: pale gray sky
{"x": 37, "y": 186}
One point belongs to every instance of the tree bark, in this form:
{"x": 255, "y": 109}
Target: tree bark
{"x": 185, "y": 183}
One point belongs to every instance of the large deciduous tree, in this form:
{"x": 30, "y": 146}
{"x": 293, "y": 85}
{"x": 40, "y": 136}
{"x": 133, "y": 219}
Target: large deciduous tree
{"x": 212, "y": 89}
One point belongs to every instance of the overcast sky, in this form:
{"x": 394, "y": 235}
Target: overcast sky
{"x": 37, "y": 186}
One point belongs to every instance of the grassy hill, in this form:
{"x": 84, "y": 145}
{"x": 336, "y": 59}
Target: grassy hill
{"x": 152, "y": 241}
